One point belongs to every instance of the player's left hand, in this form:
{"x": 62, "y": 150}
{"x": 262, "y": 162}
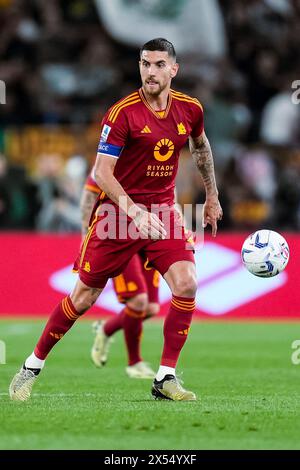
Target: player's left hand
{"x": 212, "y": 212}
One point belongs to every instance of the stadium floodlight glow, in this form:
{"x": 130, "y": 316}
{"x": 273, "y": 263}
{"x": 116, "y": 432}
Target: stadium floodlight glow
{"x": 2, "y": 92}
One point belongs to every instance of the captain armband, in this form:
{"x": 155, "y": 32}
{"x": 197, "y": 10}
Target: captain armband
{"x": 109, "y": 149}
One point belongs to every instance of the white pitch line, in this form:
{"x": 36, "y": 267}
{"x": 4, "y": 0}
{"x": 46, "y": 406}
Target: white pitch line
{"x": 2, "y": 394}
{"x": 16, "y": 329}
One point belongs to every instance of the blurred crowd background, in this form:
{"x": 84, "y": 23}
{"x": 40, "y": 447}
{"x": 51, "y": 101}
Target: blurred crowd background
{"x": 64, "y": 62}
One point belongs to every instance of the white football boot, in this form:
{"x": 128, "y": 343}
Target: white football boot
{"x": 100, "y": 349}
{"x": 21, "y": 384}
{"x": 140, "y": 370}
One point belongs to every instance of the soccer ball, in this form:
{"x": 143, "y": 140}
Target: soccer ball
{"x": 265, "y": 253}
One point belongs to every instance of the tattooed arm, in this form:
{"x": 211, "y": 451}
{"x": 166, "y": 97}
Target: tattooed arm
{"x": 202, "y": 155}
{"x": 87, "y": 201}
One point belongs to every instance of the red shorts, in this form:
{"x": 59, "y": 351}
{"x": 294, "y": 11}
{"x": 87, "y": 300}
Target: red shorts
{"x": 137, "y": 278}
{"x": 103, "y": 258}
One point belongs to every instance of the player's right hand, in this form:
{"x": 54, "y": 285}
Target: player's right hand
{"x": 212, "y": 212}
{"x": 149, "y": 225}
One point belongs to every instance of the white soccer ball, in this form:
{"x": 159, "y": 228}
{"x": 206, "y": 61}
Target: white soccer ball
{"x": 265, "y": 253}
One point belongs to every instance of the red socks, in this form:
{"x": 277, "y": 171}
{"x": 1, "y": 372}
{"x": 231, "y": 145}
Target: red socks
{"x": 114, "y": 324}
{"x": 59, "y": 322}
{"x": 130, "y": 321}
{"x": 133, "y": 327}
{"x": 176, "y": 328}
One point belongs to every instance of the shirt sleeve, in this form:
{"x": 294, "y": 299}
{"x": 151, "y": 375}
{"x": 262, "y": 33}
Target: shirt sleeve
{"x": 198, "y": 120}
{"x": 113, "y": 135}
{"x": 90, "y": 183}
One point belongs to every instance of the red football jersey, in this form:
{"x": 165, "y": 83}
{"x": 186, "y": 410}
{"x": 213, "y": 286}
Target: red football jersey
{"x": 91, "y": 185}
{"x": 147, "y": 144}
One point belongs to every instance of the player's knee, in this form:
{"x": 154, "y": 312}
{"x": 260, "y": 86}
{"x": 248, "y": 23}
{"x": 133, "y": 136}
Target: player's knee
{"x": 185, "y": 287}
{"x": 83, "y": 297}
{"x": 138, "y": 302}
{"x": 84, "y": 302}
{"x": 152, "y": 309}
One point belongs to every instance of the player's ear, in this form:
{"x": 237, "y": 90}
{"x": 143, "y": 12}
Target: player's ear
{"x": 174, "y": 70}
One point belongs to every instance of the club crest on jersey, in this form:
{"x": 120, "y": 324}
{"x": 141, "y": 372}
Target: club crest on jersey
{"x": 181, "y": 129}
{"x": 87, "y": 267}
{"x": 105, "y": 131}
{"x": 163, "y": 150}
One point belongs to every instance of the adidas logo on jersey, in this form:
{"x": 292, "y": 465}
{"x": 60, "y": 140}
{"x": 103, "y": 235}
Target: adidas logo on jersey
{"x": 146, "y": 130}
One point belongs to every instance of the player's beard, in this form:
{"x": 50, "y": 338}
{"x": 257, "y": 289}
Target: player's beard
{"x": 156, "y": 91}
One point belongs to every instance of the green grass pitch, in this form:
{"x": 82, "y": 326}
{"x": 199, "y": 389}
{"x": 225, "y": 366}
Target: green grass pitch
{"x": 247, "y": 386}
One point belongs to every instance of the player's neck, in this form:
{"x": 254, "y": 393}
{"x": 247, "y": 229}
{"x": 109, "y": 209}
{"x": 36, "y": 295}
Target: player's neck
{"x": 159, "y": 102}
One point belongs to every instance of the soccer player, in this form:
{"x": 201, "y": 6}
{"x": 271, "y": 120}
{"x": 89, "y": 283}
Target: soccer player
{"x": 136, "y": 166}
{"x": 137, "y": 288}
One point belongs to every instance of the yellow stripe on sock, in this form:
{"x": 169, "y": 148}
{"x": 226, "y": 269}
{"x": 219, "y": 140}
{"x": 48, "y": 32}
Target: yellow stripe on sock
{"x": 70, "y": 310}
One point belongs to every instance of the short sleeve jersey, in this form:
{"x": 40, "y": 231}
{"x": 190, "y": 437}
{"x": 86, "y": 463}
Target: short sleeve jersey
{"x": 147, "y": 144}
{"x": 90, "y": 183}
